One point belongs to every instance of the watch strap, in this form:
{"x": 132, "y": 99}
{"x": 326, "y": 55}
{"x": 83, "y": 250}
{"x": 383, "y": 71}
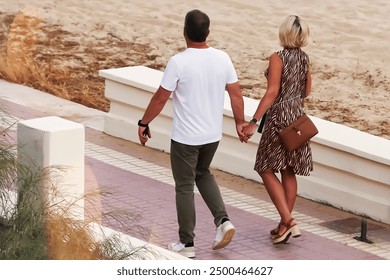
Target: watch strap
{"x": 142, "y": 124}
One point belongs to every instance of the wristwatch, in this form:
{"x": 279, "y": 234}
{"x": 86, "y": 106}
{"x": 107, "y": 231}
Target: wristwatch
{"x": 254, "y": 120}
{"x": 142, "y": 124}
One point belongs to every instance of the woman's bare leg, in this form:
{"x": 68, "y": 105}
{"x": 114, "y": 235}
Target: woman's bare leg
{"x": 277, "y": 194}
{"x": 290, "y": 186}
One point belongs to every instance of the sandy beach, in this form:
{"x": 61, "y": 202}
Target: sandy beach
{"x": 348, "y": 48}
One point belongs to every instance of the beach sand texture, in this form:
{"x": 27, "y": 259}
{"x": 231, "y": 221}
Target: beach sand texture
{"x": 348, "y": 48}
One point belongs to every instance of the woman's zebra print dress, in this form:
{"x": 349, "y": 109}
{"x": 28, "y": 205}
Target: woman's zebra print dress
{"x": 288, "y": 106}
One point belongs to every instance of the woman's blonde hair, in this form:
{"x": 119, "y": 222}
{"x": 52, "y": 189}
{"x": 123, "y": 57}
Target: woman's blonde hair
{"x": 293, "y": 32}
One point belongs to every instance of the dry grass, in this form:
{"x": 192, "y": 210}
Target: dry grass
{"x": 53, "y": 60}
{"x": 74, "y": 242}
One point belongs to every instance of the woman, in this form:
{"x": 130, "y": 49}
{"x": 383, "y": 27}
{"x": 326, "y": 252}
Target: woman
{"x": 289, "y": 81}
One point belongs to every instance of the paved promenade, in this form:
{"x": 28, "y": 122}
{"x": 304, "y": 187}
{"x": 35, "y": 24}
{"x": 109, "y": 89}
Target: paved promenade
{"x": 139, "y": 180}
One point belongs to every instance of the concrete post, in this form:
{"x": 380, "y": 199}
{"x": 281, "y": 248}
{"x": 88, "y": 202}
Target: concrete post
{"x": 56, "y": 144}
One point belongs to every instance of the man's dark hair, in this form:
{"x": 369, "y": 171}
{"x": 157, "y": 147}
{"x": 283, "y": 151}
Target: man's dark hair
{"x": 197, "y": 26}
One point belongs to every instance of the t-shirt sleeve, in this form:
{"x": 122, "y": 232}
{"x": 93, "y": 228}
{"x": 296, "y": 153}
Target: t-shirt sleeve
{"x": 170, "y": 76}
{"x": 232, "y": 74}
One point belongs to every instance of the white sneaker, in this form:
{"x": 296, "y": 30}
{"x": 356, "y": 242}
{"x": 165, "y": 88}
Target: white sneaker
{"x": 225, "y": 233}
{"x": 181, "y": 249}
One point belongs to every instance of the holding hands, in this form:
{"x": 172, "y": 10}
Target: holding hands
{"x": 245, "y": 131}
{"x": 249, "y": 130}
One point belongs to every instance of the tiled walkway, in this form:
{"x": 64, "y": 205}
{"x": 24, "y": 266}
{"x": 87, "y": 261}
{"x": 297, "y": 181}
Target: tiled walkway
{"x": 138, "y": 179}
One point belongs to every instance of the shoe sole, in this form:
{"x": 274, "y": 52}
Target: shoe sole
{"x": 227, "y": 238}
{"x": 185, "y": 253}
{"x": 190, "y": 255}
{"x": 294, "y": 232}
{"x": 283, "y": 241}
{"x": 296, "y": 235}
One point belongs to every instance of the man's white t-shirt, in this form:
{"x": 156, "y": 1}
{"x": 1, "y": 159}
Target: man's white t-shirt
{"x": 197, "y": 79}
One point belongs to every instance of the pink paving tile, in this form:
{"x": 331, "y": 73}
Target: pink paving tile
{"x": 251, "y": 240}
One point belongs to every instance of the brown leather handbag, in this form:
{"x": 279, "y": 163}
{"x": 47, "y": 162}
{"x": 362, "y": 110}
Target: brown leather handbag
{"x": 298, "y": 133}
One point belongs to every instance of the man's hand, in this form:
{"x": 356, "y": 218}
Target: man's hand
{"x": 144, "y": 134}
{"x": 240, "y": 131}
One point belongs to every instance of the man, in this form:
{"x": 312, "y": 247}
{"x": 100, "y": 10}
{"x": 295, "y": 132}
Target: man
{"x": 197, "y": 79}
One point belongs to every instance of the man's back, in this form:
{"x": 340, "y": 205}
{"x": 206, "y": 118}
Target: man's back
{"x": 198, "y": 77}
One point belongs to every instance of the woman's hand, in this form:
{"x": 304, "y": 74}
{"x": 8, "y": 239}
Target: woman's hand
{"x": 249, "y": 130}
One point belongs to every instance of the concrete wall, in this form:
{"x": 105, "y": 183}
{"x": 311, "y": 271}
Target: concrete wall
{"x": 352, "y": 168}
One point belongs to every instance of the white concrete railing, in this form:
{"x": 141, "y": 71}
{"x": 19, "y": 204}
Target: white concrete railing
{"x": 352, "y": 168}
